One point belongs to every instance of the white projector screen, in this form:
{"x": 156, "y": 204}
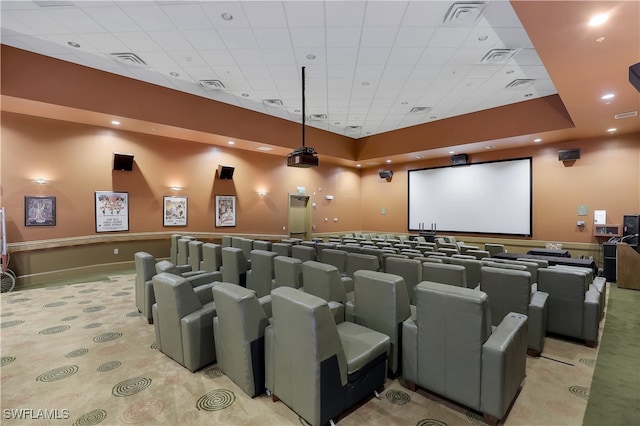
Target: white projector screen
{"x": 493, "y": 197}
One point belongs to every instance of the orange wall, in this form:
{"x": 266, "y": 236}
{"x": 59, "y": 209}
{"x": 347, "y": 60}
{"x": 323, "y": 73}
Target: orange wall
{"x": 606, "y": 177}
{"x": 77, "y": 160}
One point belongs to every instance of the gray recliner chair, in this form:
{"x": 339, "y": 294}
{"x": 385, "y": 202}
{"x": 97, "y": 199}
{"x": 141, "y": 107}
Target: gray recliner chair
{"x": 450, "y": 349}
{"x": 511, "y": 291}
{"x": 337, "y": 258}
{"x": 145, "y": 265}
{"x": 360, "y": 261}
{"x": 317, "y": 367}
{"x": 304, "y": 252}
{"x": 287, "y": 272}
{"x": 183, "y": 321}
{"x": 196, "y": 278}
{"x": 444, "y": 273}
{"x": 409, "y": 269}
{"x": 195, "y": 254}
{"x": 234, "y": 266}
{"x": 574, "y": 307}
{"x": 211, "y": 257}
{"x": 381, "y": 303}
{"x": 260, "y": 276}
{"x": 472, "y": 268}
{"x": 324, "y": 281}
{"x": 239, "y": 329}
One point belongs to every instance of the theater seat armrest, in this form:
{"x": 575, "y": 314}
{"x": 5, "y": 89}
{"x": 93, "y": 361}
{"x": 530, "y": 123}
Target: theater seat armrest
{"x": 204, "y": 278}
{"x": 591, "y": 319}
{"x": 204, "y": 293}
{"x": 338, "y": 311}
{"x": 265, "y": 302}
{"x": 268, "y": 356}
{"x": 410, "y": 350}
{"x": 537, "y": 324}
{"x": 184, "y": 268}
{"x": 350, "y": 311}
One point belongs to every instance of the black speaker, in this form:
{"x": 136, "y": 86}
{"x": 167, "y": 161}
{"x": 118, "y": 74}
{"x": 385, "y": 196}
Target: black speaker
{"x": 634, "y": 76}
{"x": 386, "y": 174}
{"x": 459, "y": 159}
{"x": 225, "y": 172}
{"x": 630, "y": 227}
{"x": 568, "y": 154}
{"x": 122, "y": 162}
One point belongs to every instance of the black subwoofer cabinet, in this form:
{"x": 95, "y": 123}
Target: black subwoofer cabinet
{"x": 609, "y": 261}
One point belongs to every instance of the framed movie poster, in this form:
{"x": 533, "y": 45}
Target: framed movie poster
{"x": 112, "y": 211}
{"x": 225, "y": 210}
{"x": 39, "y": 211}
{"x": 175, "y": 211}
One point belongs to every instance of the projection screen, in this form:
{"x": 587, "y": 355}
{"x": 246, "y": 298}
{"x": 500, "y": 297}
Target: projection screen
{"x": 492, "y": 197}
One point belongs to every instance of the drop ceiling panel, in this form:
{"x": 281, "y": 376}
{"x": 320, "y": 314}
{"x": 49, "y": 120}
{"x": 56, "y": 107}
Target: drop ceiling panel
{"x": 112, "y": 19}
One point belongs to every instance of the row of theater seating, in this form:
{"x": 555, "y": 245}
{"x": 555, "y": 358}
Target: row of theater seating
{"x": 367, "y": 297}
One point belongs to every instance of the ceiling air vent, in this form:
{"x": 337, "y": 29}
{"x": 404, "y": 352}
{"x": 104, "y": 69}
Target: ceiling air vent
{"x": 211, "y": 84}
{"x": 318, "y": 117}
{"x": 626, "y": 115}
{"x": 272, "y": 102}
{"x": 519, "y": 82}
{"x": 417, "y": 110}
{"x": 464, "y": 13}
{"x": 498, "y": 56}
{"x": 128, "y": 58}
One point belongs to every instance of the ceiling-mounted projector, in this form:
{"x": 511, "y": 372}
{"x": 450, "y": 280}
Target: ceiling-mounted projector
{"x": 302, "y": 157}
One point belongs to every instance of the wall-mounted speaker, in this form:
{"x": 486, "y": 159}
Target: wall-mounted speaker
{"x": 631, "y": 226}
{"x": 122, "y": 161}
{"x": 634, "y": 76}
{"x": 459, "y": 159}
{"x": 225, "y": 172}
{"x": 386, "y": 174}
{"x": 568, "y": 154}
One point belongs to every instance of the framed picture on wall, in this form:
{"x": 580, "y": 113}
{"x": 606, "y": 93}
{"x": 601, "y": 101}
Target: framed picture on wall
{"x": 112, "y": 211}
{"x": 225, "y": 210}
{"x": 39, "y": 211}
{"x": 174, "y": 211}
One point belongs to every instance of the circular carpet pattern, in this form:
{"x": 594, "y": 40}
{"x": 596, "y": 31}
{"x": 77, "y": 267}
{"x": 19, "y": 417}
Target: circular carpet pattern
{"x": 131, "y": 386}
{"x": 77, "y": 352}
{"x": 54, "y": 304}
{"x": 8, "y": 324}
{"x": 588, "y": 361}
{"x": 121, "y": 293}
{"x": 430, "y": 422}
{"x": 7, "y": 314}
{"x": 85, "y": 302}
{"x": 94, "y": 309}
{"x": 19, "y": 300}
{"x": 134, "y": 314}
{"x": 142, "y": 411}
{"x": 106, "y": 337}
{"x": 6, "y": 360}
{"x": 212, "y": 373}
{"x": 475, "y": 418}
{"x": 58, "y": 373}
{"x": 55, "y": 330}
{"x": 93, "y": 325}
{"x": 215, "y": 400}
{"x": 69, "y": 318}
{"x": 580, "y": 392}
{"x": 397, "y": 397}
{"x": 91, "y": 418}
{"x": 108, "y": 366}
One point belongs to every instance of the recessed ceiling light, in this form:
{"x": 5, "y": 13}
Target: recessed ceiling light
{"x": 404, "y": 103}
{"x": 608, "y": 96}
{"x": 174, "y": 74}
{"x": 227, "y": 16}
{"x": 452, "y": 152}
{"x": 311, "y": 56}
{"x": 489, "y": 147}
{"x": 115, "y": 122}
{"x": 73, "y": 44}
{"x": 528, "y": 95}
{"x": 509, "y": 72}
{"x": 611, "y": 130}
{"x": 336, "y": 123}
{"x": 388, "y": 161}
{"x": 231, "y": 143}
{"x": 365, "y": 83}
{"x": 245, "y": 95}
{"x": 264, "y": 148}
{"x": 483, "y": 37}
{"x": 358, "y": 165}
{"x": 600, "y": 39}
{"x": 537, "y": 140}
{"x": 598, "y": 19}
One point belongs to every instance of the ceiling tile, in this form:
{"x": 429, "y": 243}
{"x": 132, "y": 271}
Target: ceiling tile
{"x": 170, "y": 40}
{"x": 306, "y": 14}
{"x": 113, "y": 19}
{"x": 149, "y": 17}
{"x": 344, "y": 13}
{"x": 384, "y": 13}
{"x": 238, "y": 38}
{"x": 265, "y": 14}
{"x": 188, "y": 17}
{"x": 204, "y": 39}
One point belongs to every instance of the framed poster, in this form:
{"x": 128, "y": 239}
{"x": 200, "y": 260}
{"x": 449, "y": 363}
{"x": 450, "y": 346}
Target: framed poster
{"x": 175, "y": 211}
{"x": 225, "y": 210}
{"x": 112, "y": 211}
{"x": 39, "y": 211}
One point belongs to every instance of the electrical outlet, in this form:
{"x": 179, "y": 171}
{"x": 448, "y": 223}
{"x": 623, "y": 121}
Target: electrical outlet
{"x": 115, "y": 251}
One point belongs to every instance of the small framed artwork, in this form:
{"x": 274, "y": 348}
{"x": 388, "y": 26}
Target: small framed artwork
{"x": 175, "y": 211}
{"x": 39, "y": 211}
{"x": 112, "y": 211}
{"x": 225, "y": 210}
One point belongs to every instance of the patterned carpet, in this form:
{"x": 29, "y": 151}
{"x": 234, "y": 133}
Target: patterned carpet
{"x": 81, "y": 354}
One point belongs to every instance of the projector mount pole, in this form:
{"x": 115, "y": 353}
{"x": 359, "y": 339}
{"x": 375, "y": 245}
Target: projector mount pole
{"x": 303, "y": 107}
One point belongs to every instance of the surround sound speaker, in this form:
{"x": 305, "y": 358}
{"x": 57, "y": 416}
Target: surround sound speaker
{"x": 386, "y": 174}
{"x": 225, "y": 172}
{"x": 634, "y": 76}
{"x": 459, "y": 159}
{"x": 630, "y": 226}
{"x": 123, "y": 162}
{"x": 568, "y": 154}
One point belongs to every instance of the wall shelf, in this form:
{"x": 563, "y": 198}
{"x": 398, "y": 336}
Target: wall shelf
{"x": 607, "y": 230}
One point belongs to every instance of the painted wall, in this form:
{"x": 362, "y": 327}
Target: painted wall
{"x": 606, "y": 177}
{"x": 77, "y": 160}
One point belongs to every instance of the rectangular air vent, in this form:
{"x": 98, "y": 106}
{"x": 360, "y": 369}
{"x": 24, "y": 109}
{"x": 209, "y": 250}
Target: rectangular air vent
{"x": 128, "y": 58}
{"x": 318, "y": 117}
{"x": 417, "y": 110}
{"x": 272, "y": 102}
{"x": 498, "y": 56}
{"x": 520, "y": 82}
{"x": 211, "y": 84}
{"x": 626, "y": 115}
{"x": 464, "y": 13}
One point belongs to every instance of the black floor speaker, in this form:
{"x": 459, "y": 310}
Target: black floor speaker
{"x": 630, "y": 227}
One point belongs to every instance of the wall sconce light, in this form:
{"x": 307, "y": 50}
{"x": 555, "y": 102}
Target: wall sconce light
{"x": 41, "y": 181}
{"x": 262, "y": 193}
{"x": 176, "y": 188}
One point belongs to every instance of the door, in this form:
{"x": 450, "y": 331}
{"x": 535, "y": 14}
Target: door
{"x": 299, "y": 217}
